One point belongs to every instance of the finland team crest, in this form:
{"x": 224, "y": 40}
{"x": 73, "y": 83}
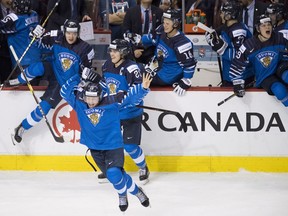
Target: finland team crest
{"x": 94, "y": 115}
{"x": 113, "y": 85}
{"x": 67, "y": 60}
{"x": 266, "y": 58}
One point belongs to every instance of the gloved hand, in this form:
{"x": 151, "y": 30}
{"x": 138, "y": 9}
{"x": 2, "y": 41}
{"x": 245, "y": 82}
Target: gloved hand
{"x": 152, "y": 67}
{"x": 181, "y": 86}
{"x": 38, "y": 31}
{"x": 211, "y": 38}
{"x": 239, "y": 87}
{"x": 133, "y": 38}
{"x": 91, "y": 75}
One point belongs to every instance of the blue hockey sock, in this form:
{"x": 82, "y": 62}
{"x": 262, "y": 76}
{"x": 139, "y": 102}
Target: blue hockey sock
{"x": 136, "y": 153}
{"x": 34, "y": 70}
{"x": 281, "y": 93}
{"x": 285, "y": 76}
{"x": 35, "y": 116}
{"x": 118, "y": 179}
{"x": 131, "y": 186}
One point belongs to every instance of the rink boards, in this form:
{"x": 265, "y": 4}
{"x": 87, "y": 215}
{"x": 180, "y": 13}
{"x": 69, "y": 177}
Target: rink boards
{"x": 247, "y": 133}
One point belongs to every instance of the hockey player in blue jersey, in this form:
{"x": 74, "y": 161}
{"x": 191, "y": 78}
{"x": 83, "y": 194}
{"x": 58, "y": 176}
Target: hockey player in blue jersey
{"x": 120, "y": 74}
{"x": 232, "y": 35}
{"x": 99, "y": 119}
{"x": 264, "y": 52}
{"x": 18, "y": 26}
{"x": 68, "y": 53}
{"x": 174, "y": 54}
{"x": 278, "y": 16}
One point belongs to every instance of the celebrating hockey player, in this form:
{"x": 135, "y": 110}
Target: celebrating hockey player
{"x": 174, "y": 54}
{"x": 232, "y": 36}
{"x": 68, "y": 53}
{"x": 17, "y": 27}
{"x": 264, "y": 53}
{"x": 99, "y": 119}
{"x": 120, "y": 74}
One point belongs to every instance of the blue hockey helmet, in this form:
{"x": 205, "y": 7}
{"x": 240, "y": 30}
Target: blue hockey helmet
{"x": 122, "y": 46}
{"x": 93, "y": 94}
{"x": 175, "y": 16}
{"x": 72, "y": 26}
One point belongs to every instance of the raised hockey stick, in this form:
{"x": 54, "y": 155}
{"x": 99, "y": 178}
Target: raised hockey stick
{"x": 177, "y": 114}
{"x": 249, "y": 85}
{"x": 56, "y": 138}
{"x": 29, "y": 45}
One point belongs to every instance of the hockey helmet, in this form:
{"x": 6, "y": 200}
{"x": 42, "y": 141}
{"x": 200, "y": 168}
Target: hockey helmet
{"x": 120, "y": 45}
{"x": 72, "y": 26}
{"x": 175, "y": 16}
{"x": 278, "y": 9}
{"x": 263, "y": 18}
{"x": 93, "y": 93}
{"x": 231, "y": 9}
{"x": 21, "y": 6}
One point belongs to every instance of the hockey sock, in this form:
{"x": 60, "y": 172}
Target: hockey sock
{"x": 280, "y": 91}
{"x": 31, "y": 72}
{"x": 136, "y": 153}
{"x": 35, "y": 116}
{"x": 116, "y": 177}
{"x": 131, "y": 186}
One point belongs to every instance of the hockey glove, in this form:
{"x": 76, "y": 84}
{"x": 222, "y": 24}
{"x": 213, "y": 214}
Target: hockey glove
{"x": 38, "y": 31}
{"x": 152, "y": 67}
{"x": 239, "y": 87}
{"x": 217, "y": 43}
{"x": 132, "y": 38}
{"x": 181, "y": 86}
{"x": 211, "y": 37}
{"x": 91, "y": 75}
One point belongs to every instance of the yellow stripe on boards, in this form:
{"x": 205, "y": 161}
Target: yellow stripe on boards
{"x": 156, "y": 163}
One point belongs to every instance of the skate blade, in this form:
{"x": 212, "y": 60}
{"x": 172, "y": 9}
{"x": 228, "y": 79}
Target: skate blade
{"x": 13, "y": 140}
{"x": 144, "y": 182}
{"x": 103, "y": 181}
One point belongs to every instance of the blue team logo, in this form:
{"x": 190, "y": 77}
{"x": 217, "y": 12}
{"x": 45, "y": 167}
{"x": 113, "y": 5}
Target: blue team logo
{"x": 162, "y": 52}
{"x": 67, "y": 60}
{"x": 94, "y": 115}
{"x": 112, "y": 85}
{"x": 266, "y": 58}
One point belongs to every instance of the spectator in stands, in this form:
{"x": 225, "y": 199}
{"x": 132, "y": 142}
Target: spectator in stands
{"x": 250, "y": 10}
{"x": 116, "y": 13}
{"x": 174, "y": 64}
{"x": 227, "y": 41}
{"x": 264, "y": 52}
{"x": 66, "y": 10}
{"x": 142, "y": 19}
{"x": 5, "y": 59}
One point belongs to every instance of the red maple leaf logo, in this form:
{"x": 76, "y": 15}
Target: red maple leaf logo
{"x": 70, "y": 124}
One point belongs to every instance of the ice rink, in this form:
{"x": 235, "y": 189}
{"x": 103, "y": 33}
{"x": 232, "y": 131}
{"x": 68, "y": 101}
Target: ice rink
{"x": 171, "y": 194}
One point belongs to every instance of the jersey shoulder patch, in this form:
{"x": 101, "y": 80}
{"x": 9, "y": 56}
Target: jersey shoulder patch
{"x": 10, "y": 16}
{"x": 132, "y": 68}
{"x": 185, "y": 47}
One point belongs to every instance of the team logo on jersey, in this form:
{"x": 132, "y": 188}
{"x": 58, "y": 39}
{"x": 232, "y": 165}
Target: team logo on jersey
{"x": 94, "y": 115}
{"x": 266, "y": 58}
{"x": 162, "y": 51}
{"x": 67, "y": 60}
{"x": 112, "y": 85}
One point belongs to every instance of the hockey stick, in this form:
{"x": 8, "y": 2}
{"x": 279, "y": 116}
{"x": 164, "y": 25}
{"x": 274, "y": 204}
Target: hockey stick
{"x": 177, "y": 114}
{"x": 29, "y": 45}
{"x": 57, "y": 139}
{"x": 249, "y": 85}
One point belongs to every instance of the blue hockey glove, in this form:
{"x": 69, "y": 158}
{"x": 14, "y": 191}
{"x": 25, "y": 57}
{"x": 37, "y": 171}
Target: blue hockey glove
{"x": 181, "y": 86}
{"x": 239, "y": 87}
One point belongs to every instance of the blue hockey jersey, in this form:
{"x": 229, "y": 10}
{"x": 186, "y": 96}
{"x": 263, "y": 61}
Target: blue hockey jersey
{"x": 100, "y": 126}
{"x": 119, "y": 80}
{"x": 174, "y": 54}
{"x": 18, "y": 27}
{"x": 264, "y": 57}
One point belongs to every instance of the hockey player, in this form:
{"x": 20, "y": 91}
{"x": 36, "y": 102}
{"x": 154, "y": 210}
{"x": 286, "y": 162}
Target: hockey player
{"x": 68, "y": 53}
{"x": 18, "y": 26}
{"x": 99, "y": 119}
{"x": 264, "y": 53}
{"x": 278, "y": 16}
{"x": 120, "y": 74}
{"x": 232, "y": 35}
{"x": 174, "y": 54}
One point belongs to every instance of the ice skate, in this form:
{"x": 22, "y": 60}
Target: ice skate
{"x": 102, "y": 179}
{"x": 123, "y": 203}
{"x": 143, "y": 198}
{"x": 12, "y": 83}
{"x": 144, "y": 175}
{"x": 18, "y": 133}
